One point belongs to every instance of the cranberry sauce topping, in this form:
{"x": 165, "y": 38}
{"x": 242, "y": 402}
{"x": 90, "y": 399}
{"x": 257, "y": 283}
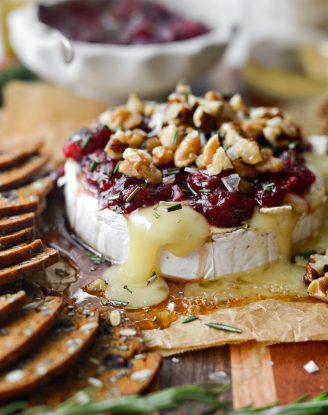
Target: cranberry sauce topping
{"x": 205, "y": 193}
{"x": 122, "y": 22}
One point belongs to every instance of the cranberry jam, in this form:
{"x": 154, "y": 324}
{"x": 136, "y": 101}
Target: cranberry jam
{"x": 121, "y": 22}
{"x": 223, "y": 158}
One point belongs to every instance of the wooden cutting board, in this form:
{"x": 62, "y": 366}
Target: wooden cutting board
{"x": 259, "y": 375}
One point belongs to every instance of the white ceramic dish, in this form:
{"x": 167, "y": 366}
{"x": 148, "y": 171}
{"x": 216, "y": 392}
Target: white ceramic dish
{"x": 108, "y": 71}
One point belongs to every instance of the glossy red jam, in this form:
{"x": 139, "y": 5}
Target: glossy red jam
{"x": 121, "y": 22}
{"x": 206, "y": 194}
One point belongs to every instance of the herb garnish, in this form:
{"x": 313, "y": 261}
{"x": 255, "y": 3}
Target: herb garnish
{"x": 114, "y": 196}
{"x": 175, "y": 136}
{"x": 61, "y": 272}
{"x": 151, "y": 278}
{"x": 116, "y": 169}
{"x": 85, "y": 142}
{"x": 120, "y": 303}
{"x": 268, "y": 187}
{"x": 204, "y": 190}
{"x": 176, "y": 397}
{"x": 189, "y": 319}
{"x": 174, "y": 207}
{"x": 168, "y": 172}
{"x": 127, "y": 289}
{"x": 223, "y": 327}
{"x": 94, "y": 166}
{"x": 307, "y": 254}
{"x": 156, "y": 214}
{"x": 96, "y": 259}
{"x": 132, "y": 194}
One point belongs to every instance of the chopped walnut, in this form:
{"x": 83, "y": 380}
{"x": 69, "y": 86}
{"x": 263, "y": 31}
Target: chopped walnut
{"x": 162, "y": 155}
{"x": 170, "y": 136}
{"x": 138, "y": 163}
{"x": 135, "y": 104}
{"x": 207, "y": 113}
{"x": 177, "y": 113}
{"x": 121, "y": 118}
{"x": 246, "y": 150}
{"x": 151, "y": 143}
{"x": 219, "y": 162}
{"x": 237, "y": 104}
{"x": 317, "y": 266}
{"x": 253, "y": 128}
{"x": 188, "y": 150}
{"x": 209, "y": 150}
{"x": 318, "y": 288}
{"x": 244, "y": 170}
{"x": 271, "y": 165}
{"x": 123, "y": 139}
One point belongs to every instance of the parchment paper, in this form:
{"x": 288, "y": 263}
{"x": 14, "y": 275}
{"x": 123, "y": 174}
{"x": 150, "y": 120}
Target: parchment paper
{"x": 267, "y": 321}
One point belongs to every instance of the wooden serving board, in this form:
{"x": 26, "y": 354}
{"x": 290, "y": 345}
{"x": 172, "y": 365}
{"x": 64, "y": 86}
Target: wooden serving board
{"x": 259, "y": 375}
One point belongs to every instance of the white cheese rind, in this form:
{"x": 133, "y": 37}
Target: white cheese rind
{"x": 228, "y": 252}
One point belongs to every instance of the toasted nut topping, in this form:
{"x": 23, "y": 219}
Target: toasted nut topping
{"x": 244, "y": 170}
{"x": 135, "y": 104}
{"x": 121, "y": 118}
{"x": 271, "y": 165}
{"x": 151, "y": 143}
{"x": 162, "y": 155}
{"x": 123, "y": 139}
{"x": 219, "y": 162}
{"x": 170, "y": 137}
{"x": 138, "y": 163}
{"x": 97, "y": 285}
{"x": 188, "y": 150}
{"x": 253, "y": 128}
{"x": 237, "y": 104}
{"x": 317, "y": 266}
{"x": 246, "y": 150}
{"x": 318, "y": 288}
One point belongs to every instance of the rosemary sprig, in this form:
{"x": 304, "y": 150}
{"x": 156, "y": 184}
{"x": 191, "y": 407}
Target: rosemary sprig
{"x": 210, "y": 395}
{"x": 173, "y": 208}
{"x": 132, "y": 194}
{"x": 117, "y": 167}
{"x": 223, "y": 327}
{"x": 268, "y": 187}
{"x": 189, "y": 319}
{"x": 94, "y": 258}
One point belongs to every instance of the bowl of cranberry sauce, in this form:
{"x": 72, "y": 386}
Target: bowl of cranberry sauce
{"x": 119, "y": 22}
{"x": 119, "y": 46}
{"x": 217, "y": 197}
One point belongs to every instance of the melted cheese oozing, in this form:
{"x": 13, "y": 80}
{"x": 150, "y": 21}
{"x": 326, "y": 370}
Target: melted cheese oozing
{"x": 179, "y": 231}
{"x": 282, "y": 221}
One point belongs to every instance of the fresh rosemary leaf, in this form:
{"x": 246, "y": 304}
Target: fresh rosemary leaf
{"x": 268, "y": 187}
{"x": 307, "y": 254}
{"x": 96, "y": 259}
{"x": 93, "y": 166}
{"x": 189, "y": 319}
{"x": 120, "y": 303}
{"x": 223, "y": 327}
{"x": 174, "y": 207}
{"x": 117, "y": 167}
{"x": 115, "y": 196}
{"x": 151, "y": 278}
{"x": 132, "y": 194}
{"x": 127, "y": 289}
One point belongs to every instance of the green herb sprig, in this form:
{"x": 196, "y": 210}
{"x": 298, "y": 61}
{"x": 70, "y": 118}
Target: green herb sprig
{"x": 210, "y": 395}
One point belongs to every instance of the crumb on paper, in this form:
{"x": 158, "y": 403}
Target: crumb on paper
{"x": 219, "y": 376}
{"x": 311, "y": 367}
{"x": 175, "y": 360}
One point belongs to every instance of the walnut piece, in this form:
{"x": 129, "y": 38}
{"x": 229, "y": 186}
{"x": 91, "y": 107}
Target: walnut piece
{"x": 138, "y": 163}
{"x": 188, "y": 150}
{"x": 162, "y": 155}
{"x": 121, "y": 118}
{"x": 319, "y": 288}
{"x": 170, "y": 136}
{"x": 317, "y": 267}
{"x": 120, "y": 140}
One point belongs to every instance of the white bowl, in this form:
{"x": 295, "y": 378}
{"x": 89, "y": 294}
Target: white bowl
{"x": 108, "y": 71}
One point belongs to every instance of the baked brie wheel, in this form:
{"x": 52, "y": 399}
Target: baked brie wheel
{"x": 196, "y": 188}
